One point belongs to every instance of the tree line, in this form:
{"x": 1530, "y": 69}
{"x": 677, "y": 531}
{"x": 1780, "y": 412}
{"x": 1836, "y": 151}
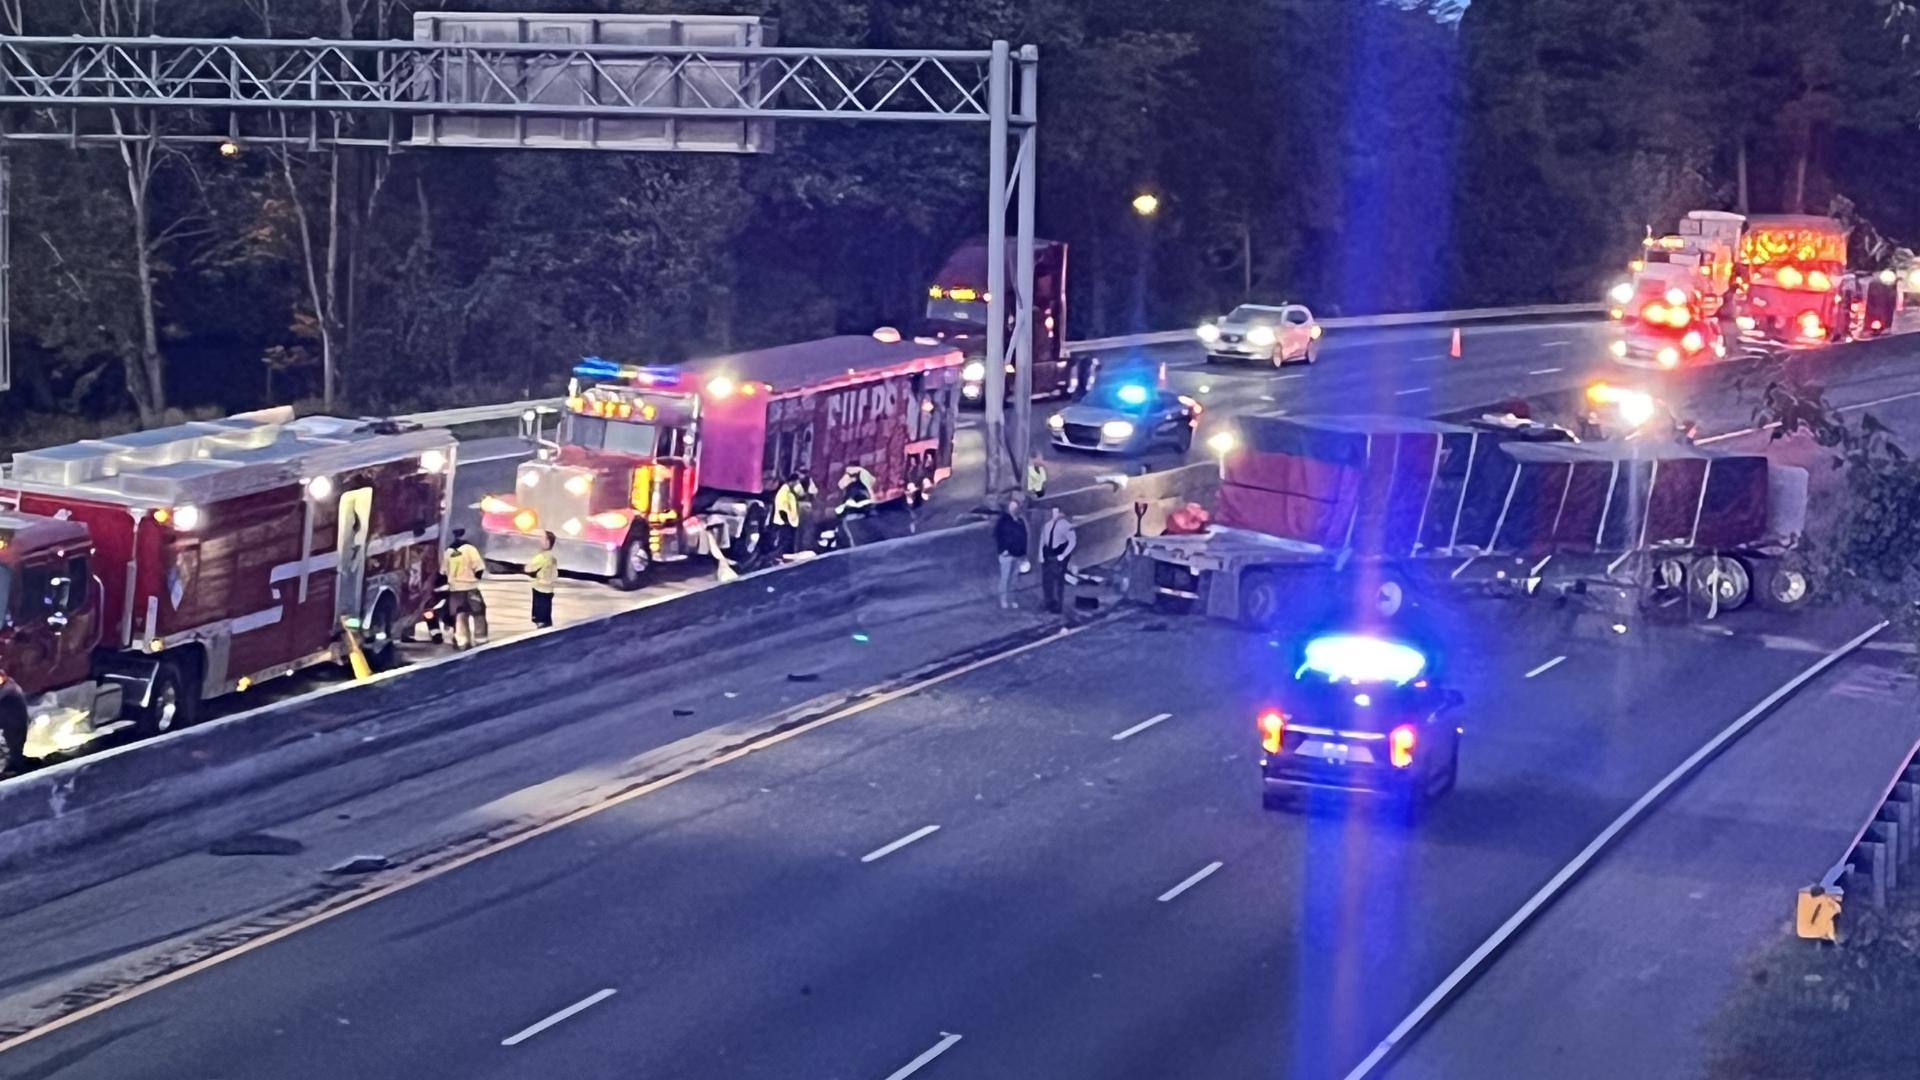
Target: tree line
{"x": 1356, "y": 155}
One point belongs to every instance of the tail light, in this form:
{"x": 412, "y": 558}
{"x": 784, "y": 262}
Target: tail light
{"x": 1810, "y": 325}
{"x": 1400, "y": 746}
{"x": 1273, "y": 726}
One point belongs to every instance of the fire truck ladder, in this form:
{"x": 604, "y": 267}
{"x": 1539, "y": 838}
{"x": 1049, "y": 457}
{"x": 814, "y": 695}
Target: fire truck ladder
{"x": 399, "y": 95}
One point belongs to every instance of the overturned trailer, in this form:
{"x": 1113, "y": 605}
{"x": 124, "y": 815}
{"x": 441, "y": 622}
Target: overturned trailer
{"x": 1389, "y": 505}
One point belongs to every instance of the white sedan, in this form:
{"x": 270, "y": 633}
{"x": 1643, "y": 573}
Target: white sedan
{"x": 1276, "y": 335}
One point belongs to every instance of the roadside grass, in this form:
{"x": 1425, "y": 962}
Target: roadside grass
{"x": 1813, "y": 1010}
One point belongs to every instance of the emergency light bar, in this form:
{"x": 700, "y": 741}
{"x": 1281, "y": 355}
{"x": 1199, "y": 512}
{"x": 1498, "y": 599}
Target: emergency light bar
{"x": 1361, "y": 659}
{"x": 594, "y": 367}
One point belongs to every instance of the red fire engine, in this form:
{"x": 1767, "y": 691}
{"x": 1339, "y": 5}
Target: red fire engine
{"x": 1664, "y": 321}
{"x": 1793, "y": 271}
{"x": 143, "y": 573}
{"x": 657, "y": 464}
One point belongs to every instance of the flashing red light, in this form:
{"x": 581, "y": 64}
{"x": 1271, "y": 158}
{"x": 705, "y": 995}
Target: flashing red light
{"x": 1273, "y": 725}
{"x": 1875, "y": 325}
{"x": 1400, "y": 746}
{"x": 1789, "y": 277}
{"x": 1818, "y": 281}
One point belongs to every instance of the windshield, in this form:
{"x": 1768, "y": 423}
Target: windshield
{"x": 620, "y": 437}
{"x": 1247, "y": 313}
{"x": 960, "y": 311}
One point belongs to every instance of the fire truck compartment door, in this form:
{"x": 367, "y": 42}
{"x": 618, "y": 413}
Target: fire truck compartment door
{"x": 356, "y": 518}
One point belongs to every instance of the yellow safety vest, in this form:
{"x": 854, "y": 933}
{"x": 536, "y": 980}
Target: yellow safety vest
{"x": 545, "y": 571}
{"x": 786, "y": 506}
{"x": 463, "y": 568}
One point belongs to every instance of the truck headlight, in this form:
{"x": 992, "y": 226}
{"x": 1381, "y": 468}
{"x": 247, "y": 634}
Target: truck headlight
{"x": 1117, "y": 430}
{"x": 1621, "y": 293}
{"x": 1208, "y": 332}
{"x": 1261, "y": 335}
{"x": 975, "y": 371}
{"x": 1618, "y": 348}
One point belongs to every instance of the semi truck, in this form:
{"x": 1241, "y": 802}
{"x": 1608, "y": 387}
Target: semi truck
{"x": 1793, "y": 280}
{"x": 957, "y": 313}
{"x": 657, "y": 464}
{"x": 143, "y": 574}
{"x": 1368, "y": 510}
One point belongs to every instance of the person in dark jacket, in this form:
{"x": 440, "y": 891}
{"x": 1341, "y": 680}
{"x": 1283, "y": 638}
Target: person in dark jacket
{"x": 1010, "y": 540}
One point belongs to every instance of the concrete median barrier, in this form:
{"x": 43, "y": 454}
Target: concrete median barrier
{"x": 179, "y": 792}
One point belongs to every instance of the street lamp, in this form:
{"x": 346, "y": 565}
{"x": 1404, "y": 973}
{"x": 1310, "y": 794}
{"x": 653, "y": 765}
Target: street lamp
{"x": 1146, "y": 204}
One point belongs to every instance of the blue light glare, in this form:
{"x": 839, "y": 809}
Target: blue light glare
{"x": 1361, "y": 659}
{"x": 1132, "y": 394}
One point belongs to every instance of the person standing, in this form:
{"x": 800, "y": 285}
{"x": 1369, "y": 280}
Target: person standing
{"x": 1010, "y": 542}
{"x": 544, "y": 569}
{"x": 786, "y": 518}
{"x": 464, "y": 567}
{"x": 1057, "y": 542}
{"x": 1036, "y": 478}
{"x": 856, "y": 502}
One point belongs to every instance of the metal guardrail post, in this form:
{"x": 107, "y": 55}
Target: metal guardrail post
{"x": 1874, "y": 853}
{"x": 1891, "y": 840}
{"x": 1904, "y": 795}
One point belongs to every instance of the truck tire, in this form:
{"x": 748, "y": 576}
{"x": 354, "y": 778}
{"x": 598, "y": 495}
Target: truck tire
{"x": 174, "y": 702}
{"x": 753, "y": 525}
{"x": 13, "y": 738}
{"x": 1719, "y": 583}
{"x": 1781, "y": 584}
{"x": 1261, "y": 602}
{"x": 1390, "y": 595}
{"x": 635, "y": 564}
{"x": 1183, "y": 441}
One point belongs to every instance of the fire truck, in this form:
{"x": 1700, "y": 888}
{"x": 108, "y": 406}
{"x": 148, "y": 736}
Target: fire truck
{"x": 660, "y": 464}
{"x": 145, "y": 573}
{"x": 1793, "y": 280}
{"x": 1664, "y": 320}
{"x": 957, "y": 313}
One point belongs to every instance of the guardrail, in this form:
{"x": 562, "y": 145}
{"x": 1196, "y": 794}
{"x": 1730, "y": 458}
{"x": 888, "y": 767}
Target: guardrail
{"x": 1873, "y": 863}
{"x": 489, "y": 414}
{"x": 1409, "y": 318}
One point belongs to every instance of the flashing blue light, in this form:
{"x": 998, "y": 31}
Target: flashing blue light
{"x": 593, "y": 367}
{"x": 596, "y": 367}
{"x": 1361, "y": 659}
{"x": 1132, "y": 394}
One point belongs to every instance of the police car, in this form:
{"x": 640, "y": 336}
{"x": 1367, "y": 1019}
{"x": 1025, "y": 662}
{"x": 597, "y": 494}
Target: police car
{"x": 1361, "y": 713}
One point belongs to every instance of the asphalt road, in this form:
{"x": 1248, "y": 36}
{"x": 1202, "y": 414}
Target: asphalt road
{"x": 1015, "y": 857}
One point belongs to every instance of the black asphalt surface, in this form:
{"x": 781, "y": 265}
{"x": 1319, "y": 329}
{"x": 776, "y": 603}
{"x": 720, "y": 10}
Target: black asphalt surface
{"x": 747, "y": 926}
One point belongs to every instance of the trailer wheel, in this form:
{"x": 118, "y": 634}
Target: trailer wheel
{"x": 173, "y": 703}
{"x": 1389, "y": 594}
{"x": 635, "y": 563}
{"x": 1719, "y": 583}
{"x": 1784, "y": 584}
{"x": 1260, "y": 600}
{"x": 13, "y": 738}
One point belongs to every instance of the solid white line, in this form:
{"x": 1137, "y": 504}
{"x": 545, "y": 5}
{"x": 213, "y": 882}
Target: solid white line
{"x": 883, "y": 852}
{"x": 1550, "y": 344}
{"x": 945, "y": 1044}
{"x": 1627, "y": 818}
{"x": 1204, "y": 873}
{"x": 1141, "y": 726}
{"x": 1546, "y": 667}
{"x": 1414, "y": 390}
{"x": 582, "y": 1005}
{"x": 1293, "y": 375}
{"x": 1424, "y": 359}
{"x": 1545, "y": 371}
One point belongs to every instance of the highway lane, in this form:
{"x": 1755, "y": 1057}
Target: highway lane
{"x": 792, "y": 914}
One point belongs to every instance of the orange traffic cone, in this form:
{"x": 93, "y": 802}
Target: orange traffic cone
{"x": 1455, "y": 350}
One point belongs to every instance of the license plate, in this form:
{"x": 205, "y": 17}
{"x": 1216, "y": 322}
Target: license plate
{"x": 1335, "y": 752}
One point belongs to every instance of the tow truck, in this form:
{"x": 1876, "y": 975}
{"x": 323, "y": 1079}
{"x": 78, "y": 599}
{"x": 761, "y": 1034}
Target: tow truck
{"x": 1361, "y": 712}
{"x": 663, "y": 463}
{"x": 1792, "y": 279}
{"x": 1664, "y": 321}
{"x": 142, "y": 574}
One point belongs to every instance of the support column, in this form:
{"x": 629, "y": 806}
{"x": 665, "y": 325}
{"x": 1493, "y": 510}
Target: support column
{"x": 993, "y": 430}
{"x": 1020, "y": 432}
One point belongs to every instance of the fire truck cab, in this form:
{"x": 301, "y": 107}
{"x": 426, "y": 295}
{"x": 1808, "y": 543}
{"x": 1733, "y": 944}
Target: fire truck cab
{"x": 1792, "y": 277}
{"x": 1664, "y": 322}
{"x": 659, "y": 464}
